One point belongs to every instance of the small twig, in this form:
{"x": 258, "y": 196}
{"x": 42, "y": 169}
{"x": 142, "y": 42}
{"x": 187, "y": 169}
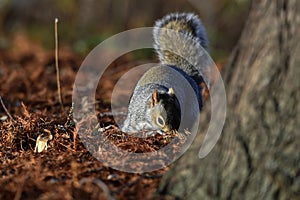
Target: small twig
{"x": 56, "y": 64}
{"x": 69, "y": 148}
{"x": 74, "y": 138}
{"x": 6, "y": 111}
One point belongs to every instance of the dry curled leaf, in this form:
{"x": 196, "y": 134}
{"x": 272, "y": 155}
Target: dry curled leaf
{"x": 42, "y": 140}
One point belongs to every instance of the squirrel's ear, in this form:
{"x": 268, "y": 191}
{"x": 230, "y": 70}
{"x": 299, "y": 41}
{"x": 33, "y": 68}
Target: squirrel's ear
{"x": 155, "y": 97}
{"x": 171, "y": 92}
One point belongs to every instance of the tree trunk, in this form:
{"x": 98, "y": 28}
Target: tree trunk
{"x": 258, "y": 154}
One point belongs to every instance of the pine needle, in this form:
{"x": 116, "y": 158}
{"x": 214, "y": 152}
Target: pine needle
{"x": 6, "y": 111}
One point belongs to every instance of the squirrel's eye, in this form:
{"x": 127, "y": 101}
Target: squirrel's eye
{"x": 160, "y": 121}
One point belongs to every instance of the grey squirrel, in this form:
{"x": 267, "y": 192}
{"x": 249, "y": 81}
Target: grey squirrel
{"x": 169, "y": 94}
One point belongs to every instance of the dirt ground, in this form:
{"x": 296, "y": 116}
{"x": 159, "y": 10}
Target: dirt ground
{"x": 66, "y": 170}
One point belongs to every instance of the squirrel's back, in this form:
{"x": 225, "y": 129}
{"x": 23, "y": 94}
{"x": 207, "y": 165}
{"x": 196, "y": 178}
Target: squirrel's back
{"x": 181, "y": 41}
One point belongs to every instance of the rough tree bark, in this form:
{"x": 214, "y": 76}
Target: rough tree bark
{"x": 258, "y": 154}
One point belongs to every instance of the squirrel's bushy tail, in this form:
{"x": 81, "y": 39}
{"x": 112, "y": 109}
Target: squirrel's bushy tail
{"x": 180, "y": 40}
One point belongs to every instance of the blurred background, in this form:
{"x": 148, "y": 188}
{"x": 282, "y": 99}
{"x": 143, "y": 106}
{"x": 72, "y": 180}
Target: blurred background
{"x": 85, "y": 23}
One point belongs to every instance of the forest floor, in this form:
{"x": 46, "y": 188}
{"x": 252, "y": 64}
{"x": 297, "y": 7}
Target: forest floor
{"x": 66, "y": 170}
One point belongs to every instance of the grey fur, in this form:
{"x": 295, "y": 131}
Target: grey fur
{"x": 183, "y": 65}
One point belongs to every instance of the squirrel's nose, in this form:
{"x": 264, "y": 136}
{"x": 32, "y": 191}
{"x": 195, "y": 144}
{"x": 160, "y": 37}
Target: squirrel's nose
{"x": 166, "y": 128}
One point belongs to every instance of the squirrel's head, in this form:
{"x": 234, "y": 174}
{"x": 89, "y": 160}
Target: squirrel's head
{"x": 165, "y": 110}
